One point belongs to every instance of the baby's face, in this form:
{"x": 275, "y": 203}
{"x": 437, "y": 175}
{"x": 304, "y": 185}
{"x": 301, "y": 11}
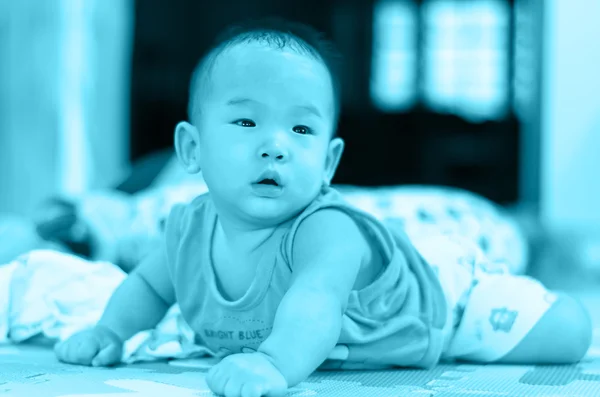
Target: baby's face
{"x": 265, "y": 129}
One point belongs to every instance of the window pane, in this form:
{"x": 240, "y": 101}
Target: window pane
{"x": 393, "y": 79}
{"x": 465, "y": 57}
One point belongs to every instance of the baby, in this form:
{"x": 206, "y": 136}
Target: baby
{"x": 278, "y": 275}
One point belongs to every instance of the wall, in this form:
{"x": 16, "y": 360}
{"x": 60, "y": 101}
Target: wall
{"x": 570, "y": 163}
{"x": 64, "y": 102}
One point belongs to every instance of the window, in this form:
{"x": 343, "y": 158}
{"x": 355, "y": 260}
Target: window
{"x": 526, "y": 59}
{"x": 464, "y": 52}
{"x": 393, "y": 82}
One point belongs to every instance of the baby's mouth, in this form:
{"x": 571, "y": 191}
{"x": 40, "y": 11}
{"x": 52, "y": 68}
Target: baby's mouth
{"x": 269, "y": 178}
{"x": 268, "y": 185}
{"x": 268, "y": 181}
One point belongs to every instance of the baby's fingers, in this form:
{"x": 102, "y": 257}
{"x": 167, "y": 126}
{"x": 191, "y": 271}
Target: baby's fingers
{"x": 252, "y": 390}
{"x": 109, "y": 355}
{"x": 64, "y": 351}
{"x": 77, "y": 351}
{"x": 59, "y": 350}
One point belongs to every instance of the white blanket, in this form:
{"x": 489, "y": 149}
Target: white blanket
{"x": 56, "y": 295}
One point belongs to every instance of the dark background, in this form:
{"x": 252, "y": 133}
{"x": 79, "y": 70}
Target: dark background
{"x": 415, "y": 147}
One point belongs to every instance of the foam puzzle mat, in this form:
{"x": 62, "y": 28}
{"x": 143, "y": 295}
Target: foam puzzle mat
{"x": 32, "y": 370}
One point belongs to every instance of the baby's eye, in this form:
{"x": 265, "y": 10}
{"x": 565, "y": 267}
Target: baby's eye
{"x": 245, "y": 123}
{"x": 301, "y": 129}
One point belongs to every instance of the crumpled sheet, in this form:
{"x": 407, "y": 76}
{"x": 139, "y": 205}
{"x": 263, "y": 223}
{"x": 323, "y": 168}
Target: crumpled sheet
{"x": 55, "y": 295}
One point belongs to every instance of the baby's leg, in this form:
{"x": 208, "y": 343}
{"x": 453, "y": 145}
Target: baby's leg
{"x": 514, "y": 319}
{"x": 562, "y": 335}
{"x": 499, "y": 317}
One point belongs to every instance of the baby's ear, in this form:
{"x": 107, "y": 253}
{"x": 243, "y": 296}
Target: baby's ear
{"x": 334, "y": 155}
{"x": 187, "y": 145}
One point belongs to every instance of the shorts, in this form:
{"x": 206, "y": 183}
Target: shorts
{"x": 490, "y": 310}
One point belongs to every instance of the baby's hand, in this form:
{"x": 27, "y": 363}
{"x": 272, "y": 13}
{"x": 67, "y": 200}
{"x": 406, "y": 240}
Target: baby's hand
{"x": 98, "y": 346}
{"x": 246, "y": 375}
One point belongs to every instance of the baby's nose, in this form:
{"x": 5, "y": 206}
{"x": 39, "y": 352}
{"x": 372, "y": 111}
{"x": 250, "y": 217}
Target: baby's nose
{"x": 276, "y": 155}
{"x": 274, "y": 152}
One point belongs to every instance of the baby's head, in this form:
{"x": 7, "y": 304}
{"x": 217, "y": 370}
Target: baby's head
{"x": 263, "y": 109}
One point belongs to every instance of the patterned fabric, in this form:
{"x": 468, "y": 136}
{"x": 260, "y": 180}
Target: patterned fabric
{"x": 422, "y": 210}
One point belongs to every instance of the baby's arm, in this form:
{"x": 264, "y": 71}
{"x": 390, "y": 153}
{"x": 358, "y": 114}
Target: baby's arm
{"x": 139, "y": 303}
{"x": 142, "y": 300}
{"x": 328, "y": 252}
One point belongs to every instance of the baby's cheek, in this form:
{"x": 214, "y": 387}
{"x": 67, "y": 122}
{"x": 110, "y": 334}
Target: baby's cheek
{"x": 238, "y": 152}
{"x": 308, "y": 181}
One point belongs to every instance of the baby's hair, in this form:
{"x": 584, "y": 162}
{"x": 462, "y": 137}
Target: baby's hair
{"x": 277, "y": 33}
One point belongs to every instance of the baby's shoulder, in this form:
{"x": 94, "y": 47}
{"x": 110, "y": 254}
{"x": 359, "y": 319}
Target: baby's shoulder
{"x": 332, "y": 229}
{"x": 183, "y": 214}
{"x": 333, "y": 235}
{"x": 185, "y": 209}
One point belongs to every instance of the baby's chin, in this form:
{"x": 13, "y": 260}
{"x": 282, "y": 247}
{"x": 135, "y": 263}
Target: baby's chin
{"x": 266, "y": 211}
{"x": 271, "y": 211}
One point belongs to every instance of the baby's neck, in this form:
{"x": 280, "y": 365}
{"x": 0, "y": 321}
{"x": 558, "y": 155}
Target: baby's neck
{"x": 243, "y": 240}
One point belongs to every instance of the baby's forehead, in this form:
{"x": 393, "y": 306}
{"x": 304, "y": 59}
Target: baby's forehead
{"x": 249, "y": 64}
{"x": 253, "y": 68}
{"x": 239, "y": 54}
